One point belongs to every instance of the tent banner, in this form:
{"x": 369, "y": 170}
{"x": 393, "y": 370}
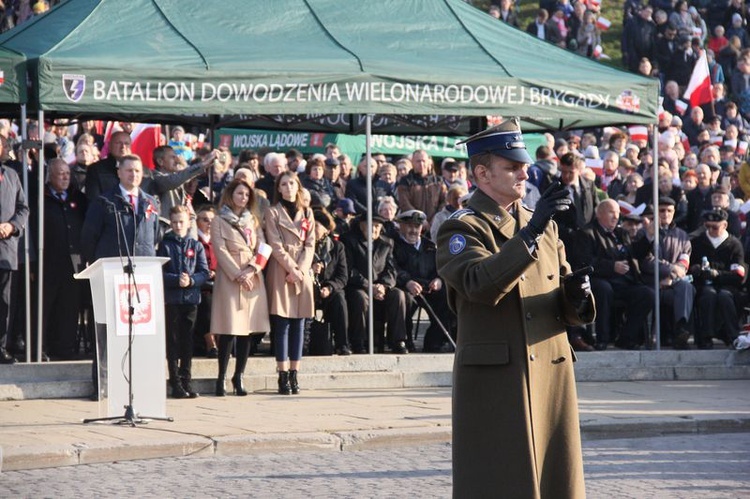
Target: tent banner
{"x": 353, "y": 145}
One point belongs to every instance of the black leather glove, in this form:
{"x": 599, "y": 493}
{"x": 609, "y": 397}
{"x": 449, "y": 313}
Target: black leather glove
{"x": 577, "y": 286}
{"x": 556, "y": 198}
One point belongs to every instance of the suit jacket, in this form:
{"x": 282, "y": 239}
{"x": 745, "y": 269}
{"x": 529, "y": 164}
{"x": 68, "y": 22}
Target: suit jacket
{"x": 412, "y": 264}
{"x": 101, "y": 177}
{"x": 63, "y": 223}
{"x": 100, "y": 236}
{"x": 519, "y": 437}
{"x": 581, "y": 212}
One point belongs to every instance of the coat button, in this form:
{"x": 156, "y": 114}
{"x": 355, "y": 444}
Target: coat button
{"x": 532, "y": 357}
{"x": 523, "y": 277}
{"x": 528, "y": 316}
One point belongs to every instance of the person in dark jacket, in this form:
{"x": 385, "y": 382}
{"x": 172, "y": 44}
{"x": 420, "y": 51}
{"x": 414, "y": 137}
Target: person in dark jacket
{"x": 356, "y": 188}
{"x": 606, "y": 247}
{"x": 64, "y": 213}
{"x": 321, "y": 191}
{"x": 138, "y": 211}
{"x": 416, "y": 274}
{"x": 390, "y": 302}
{"x": 331, "y": 274}
{"x": 184, "y": 274}
{"x": 14, "y": 214}
{"x": 719, "y": 270}
{"x": 102, "y": 176}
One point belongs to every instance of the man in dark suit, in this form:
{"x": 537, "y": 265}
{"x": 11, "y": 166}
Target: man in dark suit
{"x": 14, "y": 214}
{"x": 138, "y": 211}
{"x": 390, "y": 302}
{"x": 64, "y": 213}
{"x": 606, "y": 247}
{"x": 582, "y": 193}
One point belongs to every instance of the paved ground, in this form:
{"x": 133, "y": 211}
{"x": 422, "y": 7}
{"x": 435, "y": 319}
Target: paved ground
{"x": 49, "y": 433}
{"x": 682, "y": 466}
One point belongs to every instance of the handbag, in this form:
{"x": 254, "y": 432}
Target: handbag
{"x": 320, "y": 338}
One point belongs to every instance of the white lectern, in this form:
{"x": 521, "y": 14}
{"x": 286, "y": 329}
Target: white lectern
{"x": 109, "y": 290}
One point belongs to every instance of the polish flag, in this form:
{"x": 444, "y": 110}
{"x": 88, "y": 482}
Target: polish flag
{"x": 595, "y": 164}
{"x": 638, "y": 133}
{"x": 145, "y": 138}
{"x": 603, "y": 23}
{"x": 264, "y": 252}
{"x": 597, "y": 51}
{"x": 699, "y": 89}
{"x": 680, "y": 106}
{"x": 742, "y": 147}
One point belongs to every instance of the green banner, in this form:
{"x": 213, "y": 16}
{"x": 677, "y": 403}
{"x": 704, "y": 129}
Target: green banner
{"x": 237, "y": 139}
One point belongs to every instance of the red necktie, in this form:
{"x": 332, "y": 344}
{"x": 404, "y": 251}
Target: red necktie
{"x": 132, "y": 201}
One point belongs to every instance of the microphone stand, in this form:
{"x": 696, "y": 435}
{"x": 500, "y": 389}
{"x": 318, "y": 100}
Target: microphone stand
{"x": 130, "y": 417}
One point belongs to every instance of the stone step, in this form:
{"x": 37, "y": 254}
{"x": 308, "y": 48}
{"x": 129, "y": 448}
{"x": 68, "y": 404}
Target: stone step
{"x": 73, "y": 379}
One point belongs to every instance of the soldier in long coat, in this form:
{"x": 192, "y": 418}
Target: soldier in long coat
{"x": 290, "y": 229}
{"x": 240, "y": 304}
{"x": 515, "y": 416}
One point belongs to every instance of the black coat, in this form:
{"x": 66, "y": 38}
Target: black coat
{"x": 414, "y": 264}
{"x": 63, "y": 223}
{"x": 594, "y": 246}
{"x": 698, "y": 202}
{"x": 581, "y": 211}
{"x": 356, "y": 190}
{"x": 332, "y": 255}
{"x": 383, "y": 267}
{"x": 726, "y": 259}
{"x": 102, "y": 177}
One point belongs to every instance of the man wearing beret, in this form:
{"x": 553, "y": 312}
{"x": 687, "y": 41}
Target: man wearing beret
{"x": 416, "y": 274}
{"x": 718, "y": 268}
{"x": 515, "y": 414}
{"x": 677, "y": 292}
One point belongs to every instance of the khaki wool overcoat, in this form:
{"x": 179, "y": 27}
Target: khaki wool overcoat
{"x": 293, "y": 243}
{"x": 515, "y": 415}
{"x": 234, "y": 310}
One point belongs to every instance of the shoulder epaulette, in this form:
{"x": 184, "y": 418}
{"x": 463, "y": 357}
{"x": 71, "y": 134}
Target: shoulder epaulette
{"x": 458, "y": 214}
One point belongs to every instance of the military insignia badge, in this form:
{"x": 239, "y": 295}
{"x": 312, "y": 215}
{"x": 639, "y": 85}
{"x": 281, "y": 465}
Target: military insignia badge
{"x": 456, "y": 244}
{"x": 73, "y": 86}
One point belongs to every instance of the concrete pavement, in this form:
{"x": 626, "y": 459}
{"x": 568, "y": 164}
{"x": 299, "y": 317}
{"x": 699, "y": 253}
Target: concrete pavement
{"x": 48, "y": 432}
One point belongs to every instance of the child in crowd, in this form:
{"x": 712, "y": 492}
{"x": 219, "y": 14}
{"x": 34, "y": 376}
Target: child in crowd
{"x": 184, "y": 274}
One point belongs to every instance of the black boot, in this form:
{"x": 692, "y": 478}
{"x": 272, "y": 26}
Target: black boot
{"x": 293, "y": 384}
{"x": 284, "y": 388}
{"x": 188, "y": 387}
{"x": 221, "y": 387}
{"x": 239, "y": 388}
{"x": 178, "y": 392}
{"x": 225, "y": 350}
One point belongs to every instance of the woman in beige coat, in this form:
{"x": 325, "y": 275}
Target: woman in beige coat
{"x": 240, "y": 304}
{"x": 289, "y": 229}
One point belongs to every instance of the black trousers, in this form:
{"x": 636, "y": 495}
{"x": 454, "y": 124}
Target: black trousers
{"x": 391, "y": 310}
{"x": 5, "y": 279}
{"x": 638, "y": 299}
{"x": 336, "y": 314}
{"x": 62, "y": 302}
{"x": 718, "y": 316}
{"x": 180, "y": 326}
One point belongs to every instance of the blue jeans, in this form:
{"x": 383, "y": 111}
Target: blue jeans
{"x": 288, "y": 337}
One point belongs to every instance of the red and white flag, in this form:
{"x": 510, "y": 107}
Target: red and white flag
{"x": 638, "y": 132}
{"x": 603, "y": 23}
{"x": 699, "y": 89}
{"x": 144, "y": 139}
{"x": 680, "y": 106}
{"x": 264, "y": 252}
